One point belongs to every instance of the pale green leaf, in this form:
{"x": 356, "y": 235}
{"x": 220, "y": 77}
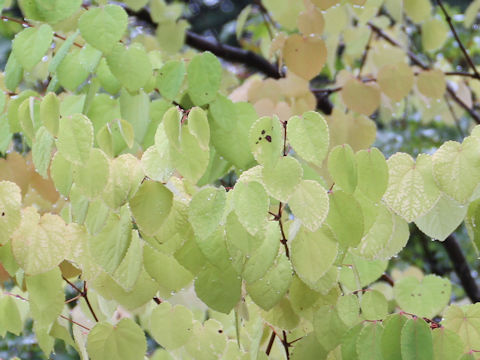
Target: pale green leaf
{"x": 124, "y": 341}
{"x": 411, "y": 191}
{"x": 10, "y": 314}
{"x": 434, "y": 34}
{"x": 13, "y": 72}
{"x": 41, "y": 150}
{"x": 204, "y": 74}
{"x": 10, "y": 205}
{"x": 426, "y": 298}
{"x": 362, "y": 272}
{"x": 170, "y": 78}
{"x": 151, "y": 206}
{"x": 198, "y": 126}
{"x": 348, "y": 308}
{"x": 103, "y": 26}
{"x": 310, "y": 204}
{"x": 62, "y": 52}
{"x": 157, "y": 164}
{"x": 171, "y": 35}
{"x": 372, "y": 173}
{"x": 129, "y": 270}
{"x": 343, "y": 168}
{"x": 239, "y": 241}
{"x": 416, "y": 340}
{"x": 31, "y": 44}
{"x": 171, "y": 326}
{"x": 92, "y": 177}
{"x": 251, "y": 204}
{"x": 266, "y": 140}
{"x": 50, "y": 113}
{"x": 61, "y": 171}
{"x": 51, "y": 11}
{"x": 464, "y": 321}
{"x": 329, "y": 328}
{"x": 374, "y": 305}
{"x": 349, "y": 343}
{"x": 206, "y": 210}
{"x": 282, "y": 179}
{"x": 308, "y": 348}
{"x": 369, "y": 341}
{"x": 446, "y": 344}
{"x": 75, "y": 138}
{"x": 390, "y": 342}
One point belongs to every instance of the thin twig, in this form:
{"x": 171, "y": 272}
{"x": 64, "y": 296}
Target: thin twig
{"x": 364, "y": 56}
{"x": 457, "y": 38}
{"x": 270, "y": 343}
{"x": 83, "y": 293}
{"x": 286, "y": 345}
{"x": 74, "y": 322}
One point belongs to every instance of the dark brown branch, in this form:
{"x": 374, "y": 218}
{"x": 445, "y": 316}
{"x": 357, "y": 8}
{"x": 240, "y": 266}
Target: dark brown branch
{"x": 462, "y": 268}
{"x": 82, "y": 293}
{"x": 457, "y": 38}
{"x": 286, "y": 345}
{"x": 270, "y": 343}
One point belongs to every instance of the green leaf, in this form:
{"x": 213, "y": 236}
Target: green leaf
{"x": 434, "y": 34}
{"x": 75, "y": 138}
{"x": 426, "y": 298}
{"x": 345, "y": 218}
{"x": 308, "y": 348}
{"x": 77, "y": 66}
{"x": 239, "y": 241}
{"x": 170, "y": 79}
{"x": 51, "y": 11}
{"x": 198, "y": 127}
{"x": 309, "y": 136}
{"x": 374, "y": 305}
{"x": 266, "y": 140}
{"x": 282, "y": 179}
{"x": 372, "y": 173}
{"x": 130, "y": 66}
{"x": 10, "y": 205}
{"x": 310, "y": 204}
{"x": 151, "y": 206}
{"x": 171, "y": 35}
{"x": 471, "y": 221}
{"x": 46, "y": 297}
{"x": 362, "y": 272}
{"x": 165, "y": 270}
{"x": 103, "y": 27}
{"x": 61, "y": 172}
{"x": 135, "y": 108}
{"x": 390, "y": 342}
{"x": 10, "y": 314}
{"x": 13, "y": 73}
{"x": 206, "y": 210}
{"x": 411, "y": 191}
{"x": 156, "y": 164}
{"x": 220, "y": 289}
{"x": 204, "y": 74}
{"x": 329, "y": 328}
{"x": 312, "y": 254}
{"x": 270, "y": 289}
{"x": 464, "y": 321}
{"x": 31, "y": 44}
{"x": 41, "y": 151}
{"x": 38, "y": 244}
{"x": 124, "y": 341}
{"x": 443, "y": 219}
{"x": 214, "y": 248}
{"x": 172, "y": 129}
{"x": 109, "y": 246}
{"x": 342, "y": 167}
{"x": 107, "y": 80}
{"x": 251, "y": 204}
{"x": 92, "y": 177}
{"x": 456, "y": 168}
{"x": 62, "y": 52}
{"x": 50, "y": 113}
{"x": 369, "y": 341}
{"x": 208, "y": 340}
{"x": 348, "y": 308}
{"x": 171, "y": 326}
{"x": 131, "y": 266}
{"x": 446, "y": 344}
{"x": 349, "y": 343}
{"x": 416, "y": 340}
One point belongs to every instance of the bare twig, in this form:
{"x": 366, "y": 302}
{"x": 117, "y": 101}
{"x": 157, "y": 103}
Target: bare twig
{"x": 83, "y": 293}
{"x": 270, "y": 343}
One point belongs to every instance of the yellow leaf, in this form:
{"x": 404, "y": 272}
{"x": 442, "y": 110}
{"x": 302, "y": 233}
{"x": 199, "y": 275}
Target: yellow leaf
{"x": 396, "y": 80}
{"x": 305, "y": 56}
{"x": 432, "y": 83}
{"x": 360, "y": 97}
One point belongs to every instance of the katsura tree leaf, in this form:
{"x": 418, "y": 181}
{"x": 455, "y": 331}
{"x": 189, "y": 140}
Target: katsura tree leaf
{"x": 464, "y": 321}
{"x": 348, "y": 308}
{"x": 374, "y": 305}
{"x": 411, "y": 191}
{"x": 13, "y": 72}
{"x": 416, "y": 340}
{"x": 390, "y": 342}
{"x": 62, "y": 52}
{"x": 266, "y": 140}
{"x": 39, "y": 244}
{"x": 345, "y": 218}
{"x": 157, "y": 165}
{"x": 131, "y": 266}
{"x": 206, "y": 210}
{"x": 425, "y": 298}
{"x": 312, "y": 254}
{"x": 204, "y": 74}
{"x": 109, "y": 246}
{"x": 171, "y": 326}
{"x": 305, "y": 56}
{"x": 360, "y": 97}
{"x": 10, "y": 213}
{"x": 171, "y": 35}
{"x": 282, "y": 179}
{"x": 61, "y": 172}
{"x": 41, "y": 150}
{"x": 329, "y": 328}
{"x": 308, "y": 348}
{"x": 348, "y": 347}
{"x": 198, "y": 127}
{"x": 51, "y": 11}
{"x": 300, "y": 132}
{"x": 92, "y": 177}
{"x": 208, "y": 340}
{"x": 46, "y": 297}
{"x": 310, "y": 204}
{"x": 75, "y": 138}
{"x": 12, "y": 322}
{"x": 131, "y": 66}
{"x": 362, "y": 272}
{"x": 151, "y": 205}
{"x": 214, "y": 248}
{"x": 165, "y": 270}
{"x": 241, "y": 20}
{"x": 369, "y": 342}
{"x": 471, "y": 221}
{"x": 434, "y": 34}
{"x": 343, "y": 168}
{"x": 311, "y": 21}
{"x": 456, "y": 168}
{"x": 432, "y": 83}
{"x": 446, "y": 344}
{"x": 126, "y": 175}
{"x": 372, "y": 173}
{"x": 124, "y": 341}
{"x": 220, "y": 289}
{"x": 170, "y": 78}
{"x": 417, "y": 10}
{"x": 31, "y": 44}
{"x": 270, "y": 289}
{"x": 251, "y": 204}
{"x": 50, "y": 113}
{"x": 172, "y": 128}
{"x": 103, "y": 27}
{"x": 239, "y": 241}
{"x": 442, "y": 219}
{"x": 396, "y": 80}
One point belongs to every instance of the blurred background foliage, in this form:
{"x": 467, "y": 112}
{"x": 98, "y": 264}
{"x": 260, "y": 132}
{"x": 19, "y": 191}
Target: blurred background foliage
{"x": 405, "y": 131}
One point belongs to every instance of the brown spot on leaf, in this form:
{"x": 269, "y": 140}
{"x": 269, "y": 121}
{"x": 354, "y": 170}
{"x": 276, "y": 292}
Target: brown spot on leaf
{"x": 269, "y": 138}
